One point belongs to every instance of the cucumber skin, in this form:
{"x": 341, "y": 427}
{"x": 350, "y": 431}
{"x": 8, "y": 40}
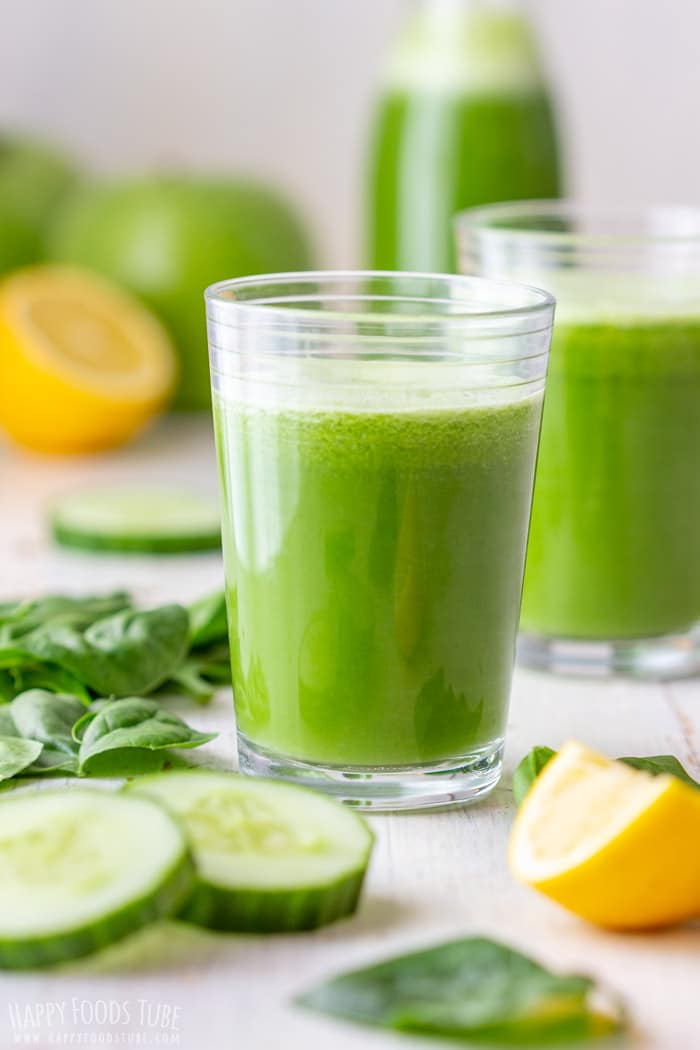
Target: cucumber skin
{"x": 58, "y": 947}
{"x": 66, "y": 536}
{"x": 232, "y": 910}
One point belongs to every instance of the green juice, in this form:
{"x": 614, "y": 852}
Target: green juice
{"x": 374, "y": 564}
{"x": 614, "y": 549}
{"x": 464, "y": 118}
{"x": 438, "y": 154}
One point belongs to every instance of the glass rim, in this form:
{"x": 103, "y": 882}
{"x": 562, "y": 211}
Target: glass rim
{"x": 664, "y": 225}
{"x": 229, "y": 299}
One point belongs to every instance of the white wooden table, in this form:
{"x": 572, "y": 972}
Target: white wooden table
{"x": 433, "y": 876}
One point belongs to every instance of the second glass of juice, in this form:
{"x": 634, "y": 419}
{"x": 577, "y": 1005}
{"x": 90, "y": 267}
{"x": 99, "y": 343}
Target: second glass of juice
{"x": 377, "y": 437}
{"x": 613, "y": 569}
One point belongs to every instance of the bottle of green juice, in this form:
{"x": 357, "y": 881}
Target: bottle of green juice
{"x": 464, "y": 118}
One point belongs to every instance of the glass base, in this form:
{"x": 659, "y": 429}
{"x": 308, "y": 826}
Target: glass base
{"x": 385, "y": 788}
{"x": 660, "y": 659}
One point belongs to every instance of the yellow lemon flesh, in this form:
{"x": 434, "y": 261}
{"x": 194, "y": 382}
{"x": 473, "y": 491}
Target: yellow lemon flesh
{"x": 612, "y": 844}
{"x": 82, "y": 364}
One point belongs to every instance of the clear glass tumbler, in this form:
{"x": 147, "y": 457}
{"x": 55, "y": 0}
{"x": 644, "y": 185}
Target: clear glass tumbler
{"x": 377, "y": 437}
{"x": 613, "y": 570}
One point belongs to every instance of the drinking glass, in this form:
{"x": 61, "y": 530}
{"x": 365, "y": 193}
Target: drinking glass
{"x": 377, "y": 436}
{"x": 612, "y": 582}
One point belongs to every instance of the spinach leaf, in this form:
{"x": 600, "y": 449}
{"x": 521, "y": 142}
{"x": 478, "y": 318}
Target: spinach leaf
{"x": 474, "y": 989}
{"x": 528, "y": 770}
{"x": 28, "y": 675}
{"x": 535, "y": 761}
{"x": 7, "y": 722}
{"x": 112, "y": 737}
{"x": 20, "y": 618}
{"x": 201, "y": 673}
{"x": 12, "y": 657}
{"x": 208, "y": 624}
{"x": 658, "y": 764}
{"x": 129, "y": 652}
{"x": 16, "y": 754}
{"x": 49, "y": 718}
{"x": 208, "y": 663}
{"x": 8, "y": 686}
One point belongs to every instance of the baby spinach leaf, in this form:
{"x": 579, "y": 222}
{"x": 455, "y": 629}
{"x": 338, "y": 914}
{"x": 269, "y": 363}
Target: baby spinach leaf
{"x": 188, "y": 678}
{"x": 20, "y": 618}
{"x": 528, "y": 770}
{"x": 8, "y": 687}
{"x": 658, "y": 764}
{"x": 7, "y": 722}
{"x": 113, "y": 735}
{"x": 535, "y": 761}
{"x": 16, "y": 755}
{"x": 21, "y": 678}
{"x": 13, "y": 657}
{"x": 48, "y": 718}
{"x": 208, "y": 622}
{"x": 473, "y": 989}
{"x": 201, "y": 673}
{"x": 134, "y": 762}
{"x": 129, "y": 652}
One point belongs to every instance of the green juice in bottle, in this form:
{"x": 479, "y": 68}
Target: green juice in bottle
{"x": 464, "y": 118}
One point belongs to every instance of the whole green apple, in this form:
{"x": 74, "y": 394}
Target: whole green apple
{"x": 166, "y": 238}
{"x": 34, "y": 178}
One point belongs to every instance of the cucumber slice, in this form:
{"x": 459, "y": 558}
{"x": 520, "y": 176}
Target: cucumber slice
{"x": 136, "y": 519}
{"x": 81, "y": 869}
{"x": 271, "y": 857}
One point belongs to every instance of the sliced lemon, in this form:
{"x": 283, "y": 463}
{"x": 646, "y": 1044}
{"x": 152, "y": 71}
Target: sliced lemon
{"x": 612, "y": 844}
{"x": 82, "y": 364}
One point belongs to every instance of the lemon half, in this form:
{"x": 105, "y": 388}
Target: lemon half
{"x": 612, "y": 844}
{"x": 82, "y": 364}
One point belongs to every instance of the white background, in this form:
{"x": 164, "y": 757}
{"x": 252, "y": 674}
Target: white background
{"x": 284, "y": 88}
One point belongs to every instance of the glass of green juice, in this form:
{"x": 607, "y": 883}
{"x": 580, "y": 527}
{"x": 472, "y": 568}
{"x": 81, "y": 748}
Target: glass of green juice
{"x": 612, "y": 582}
{"x": 377, "y": 436}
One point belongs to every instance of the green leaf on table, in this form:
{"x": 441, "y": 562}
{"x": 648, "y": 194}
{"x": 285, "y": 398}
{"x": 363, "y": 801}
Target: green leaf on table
{"x": 528, "y": 770}
{"x": 13, "y": 657}
{"x": 53, "y": 679}
{"x": 34, "y": 675}
{"x": 202, "y": 673}
{"x": 208, "y": 623}
{"x": 8, "y": 686}
{"x": 16, "y": 755}
{"x": 535, "y": 760}
{"x": 120, "y": 655}
{"x": 473, "y": 989}
{"x": 49, "y": 719}
{"x": 18, "y": 619}
{"x": 114, "y": 740}
{"x": 658, "y": 764}
{"x": 7, "y": 722}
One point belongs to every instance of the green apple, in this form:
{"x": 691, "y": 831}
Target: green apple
{"x": 166, "y": 238}
{"x": 33, "y": 180}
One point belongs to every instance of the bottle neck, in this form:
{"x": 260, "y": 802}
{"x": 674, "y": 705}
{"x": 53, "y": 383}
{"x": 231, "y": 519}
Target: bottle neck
{"x": 467, "y": 46}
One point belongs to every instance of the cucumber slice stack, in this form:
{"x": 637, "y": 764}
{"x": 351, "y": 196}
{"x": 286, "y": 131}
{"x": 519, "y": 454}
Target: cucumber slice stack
{"x": 136, "y": 519}
{"x": 271, "y": 857}
{"x": 81, "y": 869}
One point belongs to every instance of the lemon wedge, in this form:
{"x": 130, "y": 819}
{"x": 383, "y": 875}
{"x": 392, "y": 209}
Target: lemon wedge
{"x": 615, "y": 845}
{"x": 82, "y": 364}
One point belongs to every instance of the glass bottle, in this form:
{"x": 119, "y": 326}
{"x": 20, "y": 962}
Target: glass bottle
{"x": 464, "y": 118}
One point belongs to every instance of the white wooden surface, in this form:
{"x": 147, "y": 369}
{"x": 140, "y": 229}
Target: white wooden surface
{"x": 433, "y": 875}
